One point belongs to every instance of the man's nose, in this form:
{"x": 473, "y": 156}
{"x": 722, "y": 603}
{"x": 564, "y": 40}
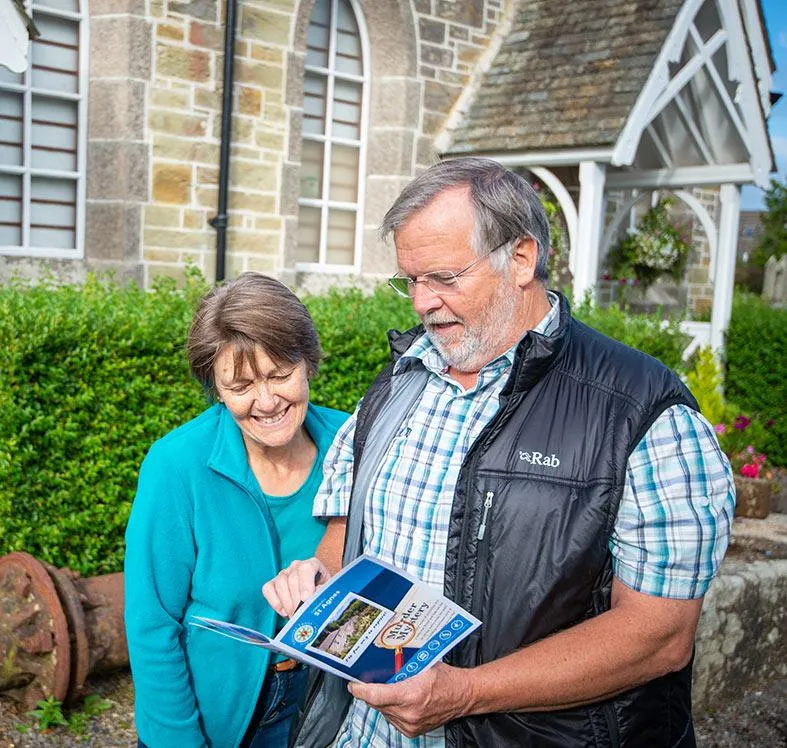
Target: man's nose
{"x": 424, "y": 299}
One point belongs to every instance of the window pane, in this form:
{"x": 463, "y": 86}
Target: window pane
{"x": 10, "y": 128}
{"x": 348, "y": 41}
{"x": 341, "y": 237}
{"x": 318, "y": 34}
{"x": 315, "y": 89}
{"x": 53, "y": 213}
{"x": 54, "y": 134}
{"x": 347, "y": 110}
{"x": 344, "y": 173}
{"x": 10, "y": 210}
{"x": 55, "y": 61}
{"x": 311, "y": 169}
{"x": 70, "y": 5}
{"x": 308, "y": 235}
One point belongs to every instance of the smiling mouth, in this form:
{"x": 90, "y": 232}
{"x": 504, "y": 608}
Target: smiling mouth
{"x": 271, "y": 420}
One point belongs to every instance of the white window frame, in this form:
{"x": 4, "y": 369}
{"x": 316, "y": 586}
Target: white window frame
{"x": 27, "y": 171}
{"x": 324, "y": 204}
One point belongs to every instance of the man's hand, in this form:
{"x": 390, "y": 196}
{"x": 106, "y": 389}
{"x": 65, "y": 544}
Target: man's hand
{"x": 421, "y": 703}
{"x": 290, "y": 587}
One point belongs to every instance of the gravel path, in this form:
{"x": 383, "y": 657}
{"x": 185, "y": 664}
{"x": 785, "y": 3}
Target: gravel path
{"x": 758, "y": 720}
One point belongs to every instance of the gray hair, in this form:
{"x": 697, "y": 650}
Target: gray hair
{"x": 252, "y": 310}
{"x": 506, "y": 207}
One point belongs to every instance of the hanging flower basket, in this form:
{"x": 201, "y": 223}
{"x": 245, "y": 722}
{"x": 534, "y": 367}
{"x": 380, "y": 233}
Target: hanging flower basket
{"x": 655, "y": 248}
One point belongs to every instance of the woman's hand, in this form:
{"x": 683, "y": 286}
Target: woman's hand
{"x": 290, "y": 587}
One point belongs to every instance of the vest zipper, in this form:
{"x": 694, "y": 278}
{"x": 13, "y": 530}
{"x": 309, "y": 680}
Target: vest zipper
{"x": 482, "y": 553}
{"x": 612, "y": 725}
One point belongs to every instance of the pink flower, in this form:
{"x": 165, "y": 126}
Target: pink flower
{"x": 741, "y": 423}
{"x": 750, "y": 449}
{"x": 720, "y": 428}
{"x": 750, "y": 471}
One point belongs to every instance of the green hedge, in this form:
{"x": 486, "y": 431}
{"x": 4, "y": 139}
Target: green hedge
{"x": 93, "y": 375}
{"x": 756, "y": 376}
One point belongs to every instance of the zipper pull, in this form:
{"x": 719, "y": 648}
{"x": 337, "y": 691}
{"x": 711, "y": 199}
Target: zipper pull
{"x": 487, "y": 506}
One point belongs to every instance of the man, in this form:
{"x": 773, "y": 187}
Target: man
{"x": 555, "y": 483}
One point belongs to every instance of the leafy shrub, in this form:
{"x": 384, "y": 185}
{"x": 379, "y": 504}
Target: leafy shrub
{"x": 91, "y": 377}
{"x": 352, "y": 330}
{"x": 704, "y": 381}
{"x": 756, "y": 376}
{"x": 662, "y": 339}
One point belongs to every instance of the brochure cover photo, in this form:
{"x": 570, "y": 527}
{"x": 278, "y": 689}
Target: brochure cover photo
{"x": 371, "y": 623}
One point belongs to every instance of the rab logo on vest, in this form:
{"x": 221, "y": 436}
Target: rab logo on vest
{"x": 537, "y": 458}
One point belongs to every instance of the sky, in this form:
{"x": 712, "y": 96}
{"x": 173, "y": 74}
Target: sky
{"x": 776, "y": 20}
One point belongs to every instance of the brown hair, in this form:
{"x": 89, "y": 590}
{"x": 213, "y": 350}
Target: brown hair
{"x": 252, "y": 310}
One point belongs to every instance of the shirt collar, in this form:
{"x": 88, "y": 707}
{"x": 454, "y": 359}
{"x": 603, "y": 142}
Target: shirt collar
{"x": 424, "y": 350}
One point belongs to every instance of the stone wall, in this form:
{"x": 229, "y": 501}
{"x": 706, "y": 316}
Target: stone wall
{"x": 741, "y": 642}
{"x": 419, "y": 64}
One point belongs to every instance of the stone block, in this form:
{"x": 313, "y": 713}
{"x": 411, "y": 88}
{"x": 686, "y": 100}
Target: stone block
{"x": 431, "y": 31}
{"x": 116, "y": 109}
{"x": 294, "y": 82}
{"x": 440, "y": 97}
{"x": 165, "y": 270}
{"x": 249, "y": 100}
{"x": 255, "y": 242}
{"x": 207, "y": 176}
{"x": 274, "y": 55}
{"x": 169, "y": 256}
{"x": 261, "y": 263}
{"x": 290, "y": 189}
{"x": 159, "y": 215}
{"x": 381, "y": 192}
{"x": 206, "y": 35}
{"x": 173, "y": 123}
{"x": 258, "y": 203}
{"x": 112, "y": 231}
{"x": 172, "y": 183}
{"x": 117, "y": 7}
{"x": 259, "y": 74}
{"x": 206, "y": 10}
{"x": 250, "y": 176}
{"x": 459, "y": 33}
{"x": 168, "y": 98}
{"x": 170, "y": 32}
{"x": 185, "y": 64}
{"x": 377, "y": 257}
{"x": 205, "y": 98}
{"x": 390, "y": 152}
{"x": 247, "y": 154}
{"x": 396, "y": 102}
{"x": 439, "y": 56}
{"x": 265, "y": 26}
{"x": 176, "y": 239}
{"x": 120, "y": 47}
{"x": 207, "y": 197}
{"x": 469, "y": 55}
{"x": 195, "y": 219}
{"x": 753, "y": 497}
{"x": 180, "y": 149}
{"x": 117, "y": 171}
{"x": 466, "y": 12}
{"x": 425, "y": 153}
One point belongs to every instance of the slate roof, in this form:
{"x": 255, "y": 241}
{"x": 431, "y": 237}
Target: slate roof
{"x": 566, "y": 76}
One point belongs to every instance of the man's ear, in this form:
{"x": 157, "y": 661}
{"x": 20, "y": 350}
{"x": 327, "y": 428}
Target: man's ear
{"x": 525, "y": 257}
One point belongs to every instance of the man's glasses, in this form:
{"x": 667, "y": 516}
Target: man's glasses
{"x": 439, "y": 282}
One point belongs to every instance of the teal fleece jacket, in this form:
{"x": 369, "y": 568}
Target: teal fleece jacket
{"x": 200, "y": 542}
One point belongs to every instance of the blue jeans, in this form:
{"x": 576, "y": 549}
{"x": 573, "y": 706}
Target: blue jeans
{"x": 280, "y": 697}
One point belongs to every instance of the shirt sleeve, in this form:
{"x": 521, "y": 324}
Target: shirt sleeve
{"x": 333, "y": 496}
{"x": 674, "y": 520}
{"x": 159, "y": 563}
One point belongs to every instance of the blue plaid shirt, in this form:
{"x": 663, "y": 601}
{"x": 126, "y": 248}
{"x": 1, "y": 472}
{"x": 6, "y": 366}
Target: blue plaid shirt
{"x": 670, "y": 535}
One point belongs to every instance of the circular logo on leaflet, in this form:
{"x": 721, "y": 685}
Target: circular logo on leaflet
{"x": 303, "y": 633}
{"x": 456, "y": 625}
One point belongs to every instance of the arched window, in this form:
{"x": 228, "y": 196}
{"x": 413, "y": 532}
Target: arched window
{"x": 42, "y": 137}
{"x": 334, "y": 139}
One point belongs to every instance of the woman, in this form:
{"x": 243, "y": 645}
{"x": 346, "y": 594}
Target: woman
{"x": 223, "y": 504}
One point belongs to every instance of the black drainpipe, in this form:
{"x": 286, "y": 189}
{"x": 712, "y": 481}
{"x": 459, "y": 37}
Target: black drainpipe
{"x": 219, "y": 221}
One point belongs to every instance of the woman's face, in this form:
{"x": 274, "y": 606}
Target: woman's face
{"x": 269, "y": 409}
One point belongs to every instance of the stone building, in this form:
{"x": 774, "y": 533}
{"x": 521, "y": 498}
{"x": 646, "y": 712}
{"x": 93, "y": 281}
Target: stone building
{"x": 110, "y": 142}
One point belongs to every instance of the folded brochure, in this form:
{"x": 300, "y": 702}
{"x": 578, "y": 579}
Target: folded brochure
{"x": 371, "y": 622}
